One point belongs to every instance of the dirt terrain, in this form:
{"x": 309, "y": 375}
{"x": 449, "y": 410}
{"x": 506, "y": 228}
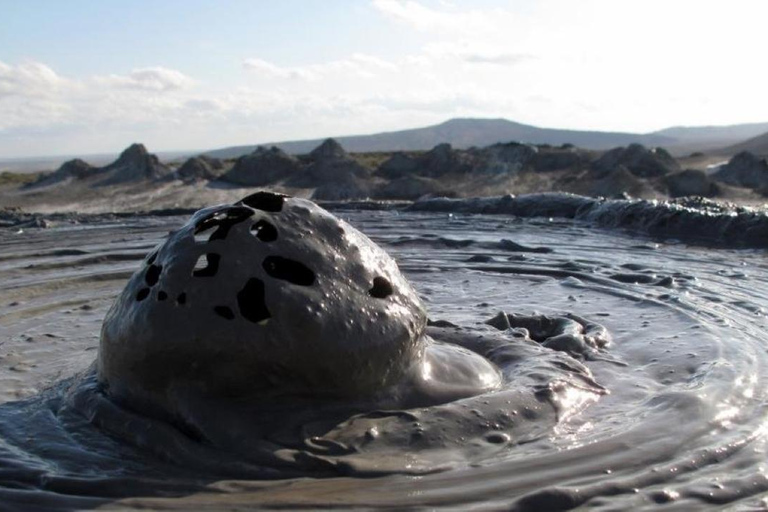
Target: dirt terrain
{"x": 138, "y": 181}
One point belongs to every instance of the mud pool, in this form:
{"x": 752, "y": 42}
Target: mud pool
{"x": 683, "y": 424}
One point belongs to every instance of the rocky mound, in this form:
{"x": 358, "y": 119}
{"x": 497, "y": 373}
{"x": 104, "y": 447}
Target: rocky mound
{"x": 507, "y": 158}
{"x": 690, "y": 182}
{"x": 440, "y": 161}
{"x": 330, "y": 149}
{"x": 640, "y": 161}
{"x": 73, "y": 169}
{"x": 497, "y": 159}
{"x": 343, "y": 189}
{"x": 134, "y": 164}
{"x": 744, "y": 170}
{"x": 398, "y": 166}
{"x": 443, "y": 159}
{"x": 76, "y": 168}
{"x": 410, "y": 188}
{"x": 549, "y": 158}
{"x": 331, "y": 166}
{"x": 200, "y": 167}
{"x": 263, "y": 167}
{"x": 614, "y": 184}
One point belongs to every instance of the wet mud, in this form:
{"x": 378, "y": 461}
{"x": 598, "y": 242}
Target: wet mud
{"x": 690, "y": 219}
{"x": 631, "y": 373}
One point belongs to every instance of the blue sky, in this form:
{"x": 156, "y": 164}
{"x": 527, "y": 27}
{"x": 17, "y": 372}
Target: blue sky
{"x": 202, "y": 38}
{"x": 88, "y": 76}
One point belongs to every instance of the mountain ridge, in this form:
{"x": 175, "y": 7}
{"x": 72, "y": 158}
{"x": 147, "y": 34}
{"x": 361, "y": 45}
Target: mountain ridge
{"x": 757, "y": 145}
{"x": 463, "y": 133}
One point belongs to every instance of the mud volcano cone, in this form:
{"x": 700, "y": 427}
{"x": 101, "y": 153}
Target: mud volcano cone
{"x": 268, "y": 293}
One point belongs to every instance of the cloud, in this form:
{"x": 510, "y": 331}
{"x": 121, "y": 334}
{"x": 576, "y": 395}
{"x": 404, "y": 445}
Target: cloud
{"x": 204, "y": 104}
{"x": 558, "y": 63}
{"x": 369, "y": 61}
{"x": 270, "y": 70}
{"x": 99, "y": 113}
{"x": 498, "y": 58}
{"x": 28, "y": 78}
{"x": 475, "y": 53}
{"x": 425, "y": 19}
{"x": 36, "y": 101}
{"x": 148, "y": 79}
{"x": 357, "y": 65}
{"x": 32, "y": 98}
{"x": 39, "y": 113}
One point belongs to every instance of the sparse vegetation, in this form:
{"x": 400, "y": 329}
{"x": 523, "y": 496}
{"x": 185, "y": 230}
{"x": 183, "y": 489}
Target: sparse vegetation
{"x": 9, "y": 179}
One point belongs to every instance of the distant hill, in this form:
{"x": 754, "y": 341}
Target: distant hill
{"x": 699, "y": 133}
{"x": 757, "y": 145}
{"x": 708, "y": 138}
{"x": 461, "y": 134}
{"x": 464, "y": 133}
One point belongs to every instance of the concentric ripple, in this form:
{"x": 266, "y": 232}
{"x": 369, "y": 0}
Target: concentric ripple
{"x": 684, "y": 422}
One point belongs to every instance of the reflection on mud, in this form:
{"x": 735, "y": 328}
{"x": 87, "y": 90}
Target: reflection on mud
{"x": 684, "y": 368}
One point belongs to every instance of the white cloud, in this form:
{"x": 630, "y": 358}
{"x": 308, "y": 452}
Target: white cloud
{"x": 38, "y": 106}
{"x": 357, "y": 65}
{"x": 475, "y": 52}
{"x": 270, "y": 70}
{"x": 363, "y": 60}
{"x": 148, "y": 79}
{"x": 426, "y": 19}
{"x": 205, "y": 104}
{"x": 28, "y": 79}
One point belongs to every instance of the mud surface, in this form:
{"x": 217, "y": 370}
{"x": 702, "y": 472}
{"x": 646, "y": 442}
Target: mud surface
{"x": 682, "y": 424}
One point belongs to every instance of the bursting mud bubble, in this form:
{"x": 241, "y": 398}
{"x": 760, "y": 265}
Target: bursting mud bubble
{"x": 526, "y": 363}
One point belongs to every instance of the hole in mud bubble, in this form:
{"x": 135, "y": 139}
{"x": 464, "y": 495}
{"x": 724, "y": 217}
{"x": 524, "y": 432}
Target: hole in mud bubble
{"x": 143, "y": 294}
{"x": 288, "y": 270}
{"x": 207, "y": 265}
{"x": 153, "y": 275}
{"x": 224, "y": 312}
{"x": 152, "y": 258}
{"x": 205, "y": 235}
{"x": 250, "y": 301}
{"x": 382, "y": 288}
{"x": 222, "y": 221}
{"x": 181, "y": 299}
{"x": 161, "y": 295}
{"x": 497, "y": 438}
{"x": 264, "y": 231}
{"x": 265, "y": 201}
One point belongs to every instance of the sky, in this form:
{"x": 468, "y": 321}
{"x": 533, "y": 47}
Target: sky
{"x": 81, "y": 77}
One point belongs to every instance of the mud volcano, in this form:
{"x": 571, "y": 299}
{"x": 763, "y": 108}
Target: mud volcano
{"x": 252, "y": 311}
{"x": 266, "y": 354}
{"x": 269, "y": 293}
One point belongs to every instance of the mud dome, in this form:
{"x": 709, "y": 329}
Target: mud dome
{"x": 269, "y": 293}
{"x": 254, "y": 311}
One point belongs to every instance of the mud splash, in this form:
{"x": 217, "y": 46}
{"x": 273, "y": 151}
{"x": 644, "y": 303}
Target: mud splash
{"x": 683, "y": 423}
